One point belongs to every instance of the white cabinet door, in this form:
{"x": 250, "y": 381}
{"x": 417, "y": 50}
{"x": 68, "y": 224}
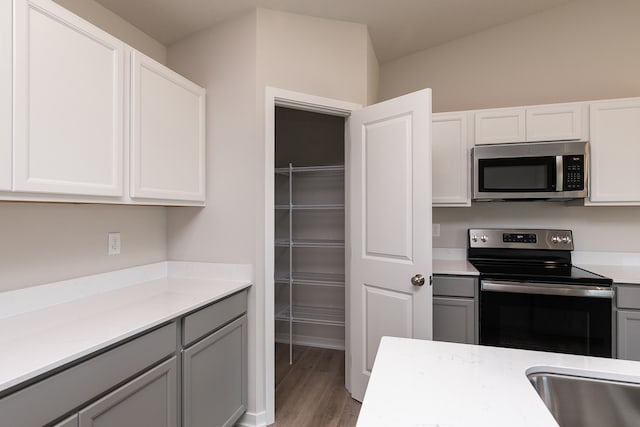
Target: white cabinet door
{"x": 390, "y": 217}
{"x": 615, "y": 150}
{"x": 558, "y": 122}
{"x": 5, "y": 94}
{"x": 167, "y": 128}
{"x": 451, "y": 159}
{"x": 68, "y": 103}
{"x": 500, "y": 126}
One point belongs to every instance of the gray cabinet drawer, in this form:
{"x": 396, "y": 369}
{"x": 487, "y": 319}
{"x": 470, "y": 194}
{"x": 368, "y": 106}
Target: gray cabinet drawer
{"x": 148, "y": 400}
{"x": 69, "y": 389}
{"x": 628, "y": 296}
{"x": 210, "y": 318}
{"x": 454, "y": 286}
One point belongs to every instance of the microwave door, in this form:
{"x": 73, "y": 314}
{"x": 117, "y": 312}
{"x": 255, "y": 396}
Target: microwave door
{"x": 518, "y": 175}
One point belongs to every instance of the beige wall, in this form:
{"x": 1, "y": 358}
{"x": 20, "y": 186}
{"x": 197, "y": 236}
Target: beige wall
{"x": 583, "y": 50}
{"x": 235, "y": 61}
{"x": 43, "y": 243}
{"x": 373, "y": 73}
{"x": 312, "y": 55}
{"x": 595, "y": 228}
{"x": 586, "y": 49}
{"x": 113, "y": 24}
{"x": 223, "y": 60}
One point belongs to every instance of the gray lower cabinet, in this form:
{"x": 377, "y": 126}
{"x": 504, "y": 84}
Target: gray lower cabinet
{"x": 201, "y": 356}
{"x": 147, "y": 401}
{"x": 455, "y": 309}
{"x": 64, "y": 393}
{"x": 215, "y": 377}
{"x": 69, "y": 422}
{"x": 628, "y": 321}
{"x": 454, "y": 320}
{"x": 629, "y": 334}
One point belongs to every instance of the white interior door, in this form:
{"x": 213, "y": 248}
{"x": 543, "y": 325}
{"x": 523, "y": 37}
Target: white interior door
{"x": 390, "y": 227}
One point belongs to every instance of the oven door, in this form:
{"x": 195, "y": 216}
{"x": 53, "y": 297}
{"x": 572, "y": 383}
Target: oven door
{"x": 547, "y": 317}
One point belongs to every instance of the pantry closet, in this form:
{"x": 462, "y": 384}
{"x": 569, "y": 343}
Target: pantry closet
{"x": 309, "y": 229}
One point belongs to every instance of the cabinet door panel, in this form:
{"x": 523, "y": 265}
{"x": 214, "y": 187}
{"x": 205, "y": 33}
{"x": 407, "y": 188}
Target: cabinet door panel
{"x": 147, "y": 401}
{"x": 451, "y": 165}
{"x": 168, "y": 141}
{"x": 557, "y": 122}
{"x": 615, "y": 150}
{"x": 500, "y": 126}
{"x": 69, "y": 422}
{"x": 215, "y": 377}
{"x": 454, "y": 320}
{"x": 629, "y": 335}
{"x": 6, "y": 136}
{"x": 69, "y": 103}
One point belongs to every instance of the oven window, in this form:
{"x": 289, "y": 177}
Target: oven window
{"x": 520, "y": 174}
{"x": 576, "y": 325}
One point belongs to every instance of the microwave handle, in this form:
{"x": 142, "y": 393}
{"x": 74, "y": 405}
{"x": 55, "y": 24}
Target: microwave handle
{"x": 559, "y": 174}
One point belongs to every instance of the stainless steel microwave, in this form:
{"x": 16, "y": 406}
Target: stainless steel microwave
{"x": 531, "y": 171}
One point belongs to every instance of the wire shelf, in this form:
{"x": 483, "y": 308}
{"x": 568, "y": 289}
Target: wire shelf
{"x": 310, "y": 169}
{"x": 327, "y": 316}
{"x": 312, "y": 279}
{"x": 309, "y": 207}
{"x": 310, "y": 243}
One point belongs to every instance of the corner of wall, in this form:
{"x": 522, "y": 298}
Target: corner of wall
{"x": 373, "y": 71}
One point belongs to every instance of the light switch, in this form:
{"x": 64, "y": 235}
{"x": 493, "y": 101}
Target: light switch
{"x": 435, "y": 230}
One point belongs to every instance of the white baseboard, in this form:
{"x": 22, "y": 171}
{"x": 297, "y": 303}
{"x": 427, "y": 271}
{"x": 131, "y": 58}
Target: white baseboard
{"x": 253, "y": 419}
{"x": 311, "y": 341}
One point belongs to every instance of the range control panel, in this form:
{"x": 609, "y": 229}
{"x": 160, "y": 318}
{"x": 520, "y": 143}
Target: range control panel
{"x": 520, "y": 238}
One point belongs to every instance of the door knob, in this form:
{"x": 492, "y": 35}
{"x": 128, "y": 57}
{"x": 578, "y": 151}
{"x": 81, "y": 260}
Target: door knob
{"x": 417, "y": 280}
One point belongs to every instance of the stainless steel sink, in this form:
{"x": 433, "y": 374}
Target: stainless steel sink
{"x": 586, "y": 402}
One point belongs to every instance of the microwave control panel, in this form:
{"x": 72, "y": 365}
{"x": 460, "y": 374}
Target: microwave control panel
{"x": 573, "y": 172}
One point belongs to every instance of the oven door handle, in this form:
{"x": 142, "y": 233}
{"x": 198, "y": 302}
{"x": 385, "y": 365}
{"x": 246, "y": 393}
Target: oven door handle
{"x": 547, "y": 289}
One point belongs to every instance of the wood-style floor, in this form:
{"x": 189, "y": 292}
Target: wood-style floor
{"x": 311, "y": 392}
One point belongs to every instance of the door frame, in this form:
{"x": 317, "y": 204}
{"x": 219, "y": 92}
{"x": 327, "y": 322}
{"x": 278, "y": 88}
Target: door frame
{"x": 275, "y": 97}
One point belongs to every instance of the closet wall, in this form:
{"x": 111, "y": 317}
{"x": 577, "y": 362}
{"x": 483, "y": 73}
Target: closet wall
{"x": 309, "y": 229}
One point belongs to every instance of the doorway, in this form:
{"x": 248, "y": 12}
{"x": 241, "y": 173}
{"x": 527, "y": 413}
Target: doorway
{"x": 296, "y": 104}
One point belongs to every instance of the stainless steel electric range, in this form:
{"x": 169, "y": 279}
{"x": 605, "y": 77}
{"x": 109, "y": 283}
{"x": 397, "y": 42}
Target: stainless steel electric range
{"x": 532, "y": 297}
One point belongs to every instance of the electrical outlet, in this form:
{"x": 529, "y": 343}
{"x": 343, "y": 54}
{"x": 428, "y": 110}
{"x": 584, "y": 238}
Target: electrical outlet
{"x": 435, "y": 230}
{"x": 114, "y": 243}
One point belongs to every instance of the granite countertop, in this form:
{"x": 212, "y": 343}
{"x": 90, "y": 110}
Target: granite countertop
{"x": 431, "y": 383}
{"x": 54, "y": 333}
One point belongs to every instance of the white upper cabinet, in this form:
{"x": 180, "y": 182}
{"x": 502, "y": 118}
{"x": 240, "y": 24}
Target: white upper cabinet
{"x": 69, "y": 100}
{"x": 615, "y": 150}
{"x": 554, "y": 122}
{"x": 500, "y": 126}
{"x": 558, "y": 122}
{"x": 5, "y": 94}
{"x": 451, "y": 144}
{"x": 167, "y": 134}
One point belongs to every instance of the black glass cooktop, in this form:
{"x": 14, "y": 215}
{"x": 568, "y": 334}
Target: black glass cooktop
{"x": 539, "y": 272}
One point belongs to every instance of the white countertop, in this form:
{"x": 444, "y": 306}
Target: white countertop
{"x": 618, "y": 273}
{"x": 460, "y": 267}
{"x": 431, "y": 383}
{"x": 34, "y": 342}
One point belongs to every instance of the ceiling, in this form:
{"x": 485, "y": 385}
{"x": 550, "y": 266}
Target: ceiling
{"x": 397, "y": 27}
